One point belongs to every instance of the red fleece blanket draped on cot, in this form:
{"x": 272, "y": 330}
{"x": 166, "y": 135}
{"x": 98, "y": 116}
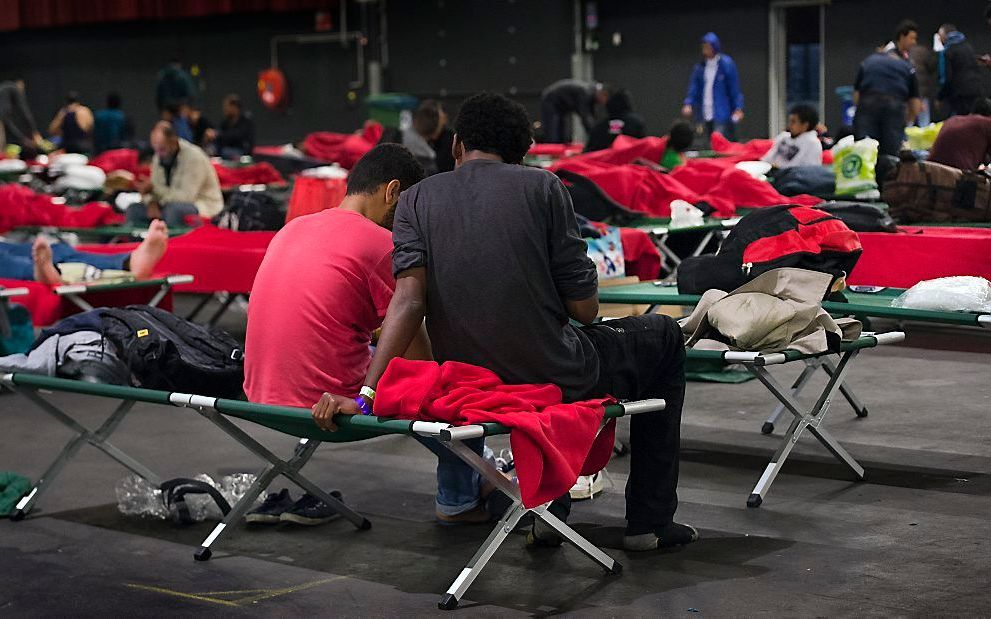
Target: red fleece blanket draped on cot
{"x": 126, "y": 159}
{"x": 343, "y": 148}
{"x": 19, "y": 206}
{"x": 553, "y": 443}
{"x": 714, "y": 181}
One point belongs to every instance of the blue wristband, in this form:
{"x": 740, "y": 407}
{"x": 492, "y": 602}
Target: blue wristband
{"x": 363, "y": 405}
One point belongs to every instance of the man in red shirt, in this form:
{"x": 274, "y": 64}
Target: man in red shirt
{"x": 322, "y": 289}
{"x": 964, "y": 142}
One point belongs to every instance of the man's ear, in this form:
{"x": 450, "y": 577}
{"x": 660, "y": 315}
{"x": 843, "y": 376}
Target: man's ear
{"x": 392, "y": 191}
{"x": 457, "y": 148}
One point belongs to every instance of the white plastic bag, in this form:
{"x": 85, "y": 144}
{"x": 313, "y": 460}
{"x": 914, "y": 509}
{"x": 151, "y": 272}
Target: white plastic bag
{"x": 854, "y": 164}
{"x": 137, "y": 497}
{"x": 948, "y": 294}
{"x": 684, "y": 215}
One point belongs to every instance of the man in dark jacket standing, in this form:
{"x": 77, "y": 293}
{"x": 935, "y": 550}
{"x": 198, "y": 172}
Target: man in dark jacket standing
{"x": 887, "y": 97}
{"x": 959, "y": 75}
{"x": 566, "y": 97}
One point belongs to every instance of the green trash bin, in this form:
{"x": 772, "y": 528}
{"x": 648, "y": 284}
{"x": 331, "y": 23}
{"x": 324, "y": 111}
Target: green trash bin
{"x": 387, "y": 108}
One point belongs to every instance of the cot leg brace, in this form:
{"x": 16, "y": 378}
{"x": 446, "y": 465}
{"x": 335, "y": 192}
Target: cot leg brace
{"x": 72, "y": 292}
{"x": 811, "y": 365}
{"x": 452, "y": 439}
{"x": 811, "y": 419}
{"x": 276, "y": 466}
{"x": 97, "y": 439}
{"x": 670, "y": 261}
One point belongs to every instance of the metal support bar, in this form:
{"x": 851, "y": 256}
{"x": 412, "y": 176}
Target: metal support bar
{"x": 96, "y": 438}
{"x": 811, "y": 419}
{"x": 276, "y": 466}
{"x": 505, "y": 526}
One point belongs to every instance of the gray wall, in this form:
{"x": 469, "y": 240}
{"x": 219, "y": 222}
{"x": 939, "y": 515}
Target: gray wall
{"x": 450, "y": 48}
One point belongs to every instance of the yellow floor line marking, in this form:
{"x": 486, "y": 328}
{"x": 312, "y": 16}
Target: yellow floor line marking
{"x": 260, "y": 594}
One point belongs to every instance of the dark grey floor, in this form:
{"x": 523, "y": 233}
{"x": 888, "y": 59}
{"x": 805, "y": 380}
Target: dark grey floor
{"x": 912, "y": 540}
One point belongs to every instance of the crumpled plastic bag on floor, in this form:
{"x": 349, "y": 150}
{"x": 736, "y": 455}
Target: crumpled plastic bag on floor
{"x": 137, "y": 497}
{"x": 948, "y": 294}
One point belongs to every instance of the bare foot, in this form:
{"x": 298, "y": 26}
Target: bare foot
{"x": 150, "y": 251}
{"x": 44, "y": 269}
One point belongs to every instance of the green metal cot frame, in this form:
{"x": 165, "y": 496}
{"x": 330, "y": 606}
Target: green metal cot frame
{"x": 299, "y": 423}
{"x": 75, "y": 292}
{"x": 7, "y": 293}
{"x": 862, "y": 306}
{"x": 660, "y": 232}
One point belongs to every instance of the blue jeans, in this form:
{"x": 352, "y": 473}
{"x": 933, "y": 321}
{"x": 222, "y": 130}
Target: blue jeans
{"x": 16, "y": 261}
{"x": 458, "y": 485}
{"x": 174, "y": 214}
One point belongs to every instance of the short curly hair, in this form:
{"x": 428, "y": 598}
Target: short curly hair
{"x": 494, "y": 124}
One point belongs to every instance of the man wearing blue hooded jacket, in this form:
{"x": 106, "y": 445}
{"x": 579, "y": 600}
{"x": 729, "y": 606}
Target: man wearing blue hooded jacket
{"x": 714, "y": 98}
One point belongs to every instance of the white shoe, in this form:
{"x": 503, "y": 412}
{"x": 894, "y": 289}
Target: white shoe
{"x": 588, "y": 486}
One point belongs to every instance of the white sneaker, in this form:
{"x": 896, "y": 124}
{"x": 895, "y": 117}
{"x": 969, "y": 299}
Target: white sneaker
{"x": 588, "y": 486}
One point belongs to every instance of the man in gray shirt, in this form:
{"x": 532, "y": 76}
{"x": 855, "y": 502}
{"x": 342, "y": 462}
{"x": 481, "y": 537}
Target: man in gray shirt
{"x": 490, "y": 255}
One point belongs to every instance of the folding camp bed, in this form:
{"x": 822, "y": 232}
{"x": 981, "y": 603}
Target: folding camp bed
{"x": 660, "y": 231}
{"x": 860, "y": 305}
{"x": 75, "y": 292}
{"x": 299, "y": 423}
{"x": 810, "y": 419}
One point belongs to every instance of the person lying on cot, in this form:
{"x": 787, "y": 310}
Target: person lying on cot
{"x": 40, "y": 261}
{"x": 322, "y": 289}
{"x": 455, "y": 230}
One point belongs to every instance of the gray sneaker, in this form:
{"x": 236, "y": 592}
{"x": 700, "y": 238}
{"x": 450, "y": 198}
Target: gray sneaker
{"x": 271, "y": 510}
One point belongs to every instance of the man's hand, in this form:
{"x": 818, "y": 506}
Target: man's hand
{"x": 737, "y": 116}
{"x": 154, "y": 210}
{"x": 330, "y": 405}
{"x": 686, "y": 111}
{"x": 142, "y": 185}
{"x": 985, "y": 60}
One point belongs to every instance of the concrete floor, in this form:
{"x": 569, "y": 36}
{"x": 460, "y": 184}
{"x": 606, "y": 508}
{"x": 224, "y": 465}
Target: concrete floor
{"x": 911, "y": 540}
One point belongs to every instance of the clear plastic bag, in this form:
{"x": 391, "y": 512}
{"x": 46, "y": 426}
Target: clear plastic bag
{"x": 948, "y": 294}
{"x": 685, "y": 215}
{"x": 137, "y": 497}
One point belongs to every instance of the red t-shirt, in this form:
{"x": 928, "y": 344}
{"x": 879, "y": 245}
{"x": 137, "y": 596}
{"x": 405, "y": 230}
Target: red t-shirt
{"x": 323, "y": 287}
{"x": 964, "y": 142}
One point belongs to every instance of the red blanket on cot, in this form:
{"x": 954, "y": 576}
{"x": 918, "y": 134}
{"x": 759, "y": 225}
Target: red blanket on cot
{"x": 553, "y": 443}
{"x": 343, "y": 148}
{"x": 218, "y": 259}
{"x": 714, "y": 181}
{"x": 19, "y": 206}
{"x": 126, "y": 159}
{"x": 917, "y": 253}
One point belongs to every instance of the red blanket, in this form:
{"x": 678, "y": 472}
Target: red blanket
{"x": 714, "y": 181}
{"x": 553, "y": 443}
{"x": 343, "y": 148}
{"x": 255, "y": 174}
{"x": 121, "y": 159}
{"x": 218, "y": 260}
{"x": 312, "y": 195}
{"x": 556, "y": 150}
{"x": 914, "y": 253}
{"x": 19, "y": 206}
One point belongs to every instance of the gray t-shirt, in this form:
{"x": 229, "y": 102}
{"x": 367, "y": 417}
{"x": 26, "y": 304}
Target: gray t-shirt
{"x": 502, "y": 253}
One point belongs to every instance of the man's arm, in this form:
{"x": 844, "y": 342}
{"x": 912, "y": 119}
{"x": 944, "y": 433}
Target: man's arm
{"x": 402, "y": 322}
{"x": 420, "y": 349}
{"x": 585, "y": 310}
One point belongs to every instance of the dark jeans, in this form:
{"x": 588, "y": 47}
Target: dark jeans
{"x": 16, "y": 261}
{"x": 174, "y": 214}
{"x": 883, "y": 118}
{"x": 727, "y": 129}
{"x": 644, "y": 357}
{"x": 555, "y": 122}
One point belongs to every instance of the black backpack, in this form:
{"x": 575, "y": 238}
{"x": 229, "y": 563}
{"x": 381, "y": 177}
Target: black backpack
{"x": 163, "y": 351}
{"x": 860, "y": 216}
{"x": 771, "y": 238}
{"x": 251, "y": 211}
